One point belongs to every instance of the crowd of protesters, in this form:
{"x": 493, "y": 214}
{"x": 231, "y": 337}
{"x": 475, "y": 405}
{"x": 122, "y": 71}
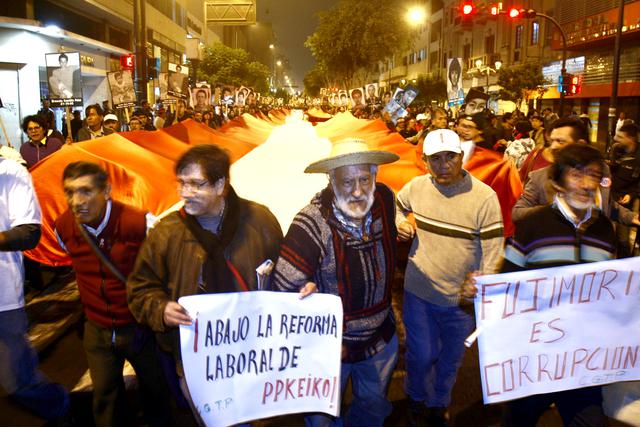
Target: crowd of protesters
{"x": 141, "y": 293}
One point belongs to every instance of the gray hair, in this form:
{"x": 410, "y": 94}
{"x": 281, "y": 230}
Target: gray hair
{"x": 373, "y": 169}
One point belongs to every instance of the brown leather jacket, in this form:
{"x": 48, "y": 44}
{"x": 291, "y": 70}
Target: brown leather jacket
{"x": 169, "y": 265}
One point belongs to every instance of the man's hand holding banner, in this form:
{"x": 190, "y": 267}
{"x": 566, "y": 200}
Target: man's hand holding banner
{"x": 253, "y": 355}
{"x": 558, "y": 328}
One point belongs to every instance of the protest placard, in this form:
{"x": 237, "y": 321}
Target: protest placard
{"x": 64, "y": 79}
{"x": 252, "y": 355}
{"x": 123, "y": 94}
{"x": 559, "y": 328}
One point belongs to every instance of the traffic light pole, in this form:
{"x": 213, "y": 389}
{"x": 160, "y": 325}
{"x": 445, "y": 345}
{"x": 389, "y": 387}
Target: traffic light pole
{"x": 563, "y": 71}
{"x": 613, "y": 105}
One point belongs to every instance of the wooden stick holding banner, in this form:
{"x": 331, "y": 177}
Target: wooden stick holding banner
{"x": 68, "y": 122}
{"x": 4, "y": 132}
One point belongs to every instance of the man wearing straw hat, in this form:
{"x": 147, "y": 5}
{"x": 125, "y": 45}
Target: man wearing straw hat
{"x": 459, "y": 231}
{"x": 344, "y": 243}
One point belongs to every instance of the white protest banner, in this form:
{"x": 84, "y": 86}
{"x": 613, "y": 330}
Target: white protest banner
{"x": 559, "y": 328}
{"x": 251, "y": 355}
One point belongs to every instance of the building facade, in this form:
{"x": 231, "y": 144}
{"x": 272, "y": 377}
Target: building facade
{"x": 101, "y": 31}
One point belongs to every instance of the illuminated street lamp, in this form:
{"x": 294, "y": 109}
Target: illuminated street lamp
{"x": 487, "y": 70}
{"x": 416, "y": 15}
{"x": 272, "y": 78}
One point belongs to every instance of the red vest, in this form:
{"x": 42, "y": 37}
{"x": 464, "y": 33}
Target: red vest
{"x": 103, "y": 296}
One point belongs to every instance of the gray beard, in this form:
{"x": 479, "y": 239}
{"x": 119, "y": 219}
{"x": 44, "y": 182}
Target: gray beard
{"x": 343, "y": 204}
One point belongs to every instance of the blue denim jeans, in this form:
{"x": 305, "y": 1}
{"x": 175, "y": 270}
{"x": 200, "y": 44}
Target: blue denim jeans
{"x": 369, "y": 381}
{"x": 435, "y": 348}
{"x": 19, "y": 374}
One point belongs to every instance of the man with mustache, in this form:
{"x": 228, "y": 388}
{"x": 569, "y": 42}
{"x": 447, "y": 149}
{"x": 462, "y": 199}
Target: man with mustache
{"x": 458, "y": 230}
{"x": 344, "y": 243}
{"x": 570, "y": 230}
{"x": 213, "y": 244}
{"x": 97, "y": 231}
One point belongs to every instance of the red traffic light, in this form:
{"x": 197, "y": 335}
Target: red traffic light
{"x": 514, "y": 13}
{"x": 127, "y": 62}
{"x": 467, "y": 8}
{"x": 575, "y": 85}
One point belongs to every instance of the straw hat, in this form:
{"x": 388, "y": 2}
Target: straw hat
{"x": 348, "y": 152}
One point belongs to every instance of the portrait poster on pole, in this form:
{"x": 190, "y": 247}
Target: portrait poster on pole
{"x": 178, "y": 81}
{"x": 372, "y": 93}
{"x": 357, "y": 97}
{"x": 554, "y": 329}
{"x": 64, "y": 79}
{"x": 344, "y": 97}
{"x": 201, "y": 98}
{"x": 455, "y": 93}
{"x": 121, "y": 85}
{"x": 241, "y": 95}
{"x": 252, "y": 355}
{"x": 163, "y": 85}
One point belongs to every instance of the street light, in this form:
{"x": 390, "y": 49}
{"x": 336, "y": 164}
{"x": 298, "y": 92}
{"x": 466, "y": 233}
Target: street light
{"x": 488, "y": 70}
{"x": 416, "y": 15}
{"x": 272, "y": 78}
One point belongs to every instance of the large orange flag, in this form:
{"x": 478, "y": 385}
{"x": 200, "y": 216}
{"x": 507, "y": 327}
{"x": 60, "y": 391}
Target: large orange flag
{"x": 140, "y": 166}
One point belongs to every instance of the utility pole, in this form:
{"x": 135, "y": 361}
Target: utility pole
{"x": 139, "y": 49}
{"x": 613, "y": 106}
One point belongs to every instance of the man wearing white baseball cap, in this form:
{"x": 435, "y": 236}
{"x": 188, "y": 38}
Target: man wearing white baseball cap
{"x": 111, "y": 121}
{"x": 458, "y": 230}
{"x": 344, "y": 243}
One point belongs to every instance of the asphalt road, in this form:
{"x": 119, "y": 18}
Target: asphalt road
{"x": 63, "y": 360}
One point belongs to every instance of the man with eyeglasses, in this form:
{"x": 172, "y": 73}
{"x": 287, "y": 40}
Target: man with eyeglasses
{"x": 458, "y": 230}
{"x": 539, "y": 190}
{"x": 487, "y": 165}
{"x": 213, "y": 244}
{"x": 470, "y": 130}
{"x": 93, "y": 229}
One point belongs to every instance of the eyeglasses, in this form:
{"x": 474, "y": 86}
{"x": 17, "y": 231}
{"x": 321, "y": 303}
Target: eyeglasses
{"x": 34, "y": 128}
{"x": 191, "y": 185}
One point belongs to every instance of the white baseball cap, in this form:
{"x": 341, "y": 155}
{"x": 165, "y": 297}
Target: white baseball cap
{"x": 440, "y": 140}
{"x": 110, "y": 117}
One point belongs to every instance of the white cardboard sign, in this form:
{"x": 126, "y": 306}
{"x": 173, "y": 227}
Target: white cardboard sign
{"x": 558, "y": 328}
{"x": 252, "y": 355}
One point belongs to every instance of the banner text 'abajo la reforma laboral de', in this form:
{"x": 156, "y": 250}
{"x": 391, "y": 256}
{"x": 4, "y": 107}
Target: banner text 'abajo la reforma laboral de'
{"x": 252, "y": 355}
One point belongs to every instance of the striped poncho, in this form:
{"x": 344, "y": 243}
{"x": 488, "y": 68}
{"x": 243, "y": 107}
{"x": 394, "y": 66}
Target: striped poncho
{"x": 320, "y": 249}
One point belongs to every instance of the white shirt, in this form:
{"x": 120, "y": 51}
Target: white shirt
{"x": 18, "y": 206}
{"x": 566, "y": 211}
{"x": 468, "y": 147}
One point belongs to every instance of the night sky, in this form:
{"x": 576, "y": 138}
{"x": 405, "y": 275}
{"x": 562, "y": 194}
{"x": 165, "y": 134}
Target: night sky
{"x": 293, "y": 21}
